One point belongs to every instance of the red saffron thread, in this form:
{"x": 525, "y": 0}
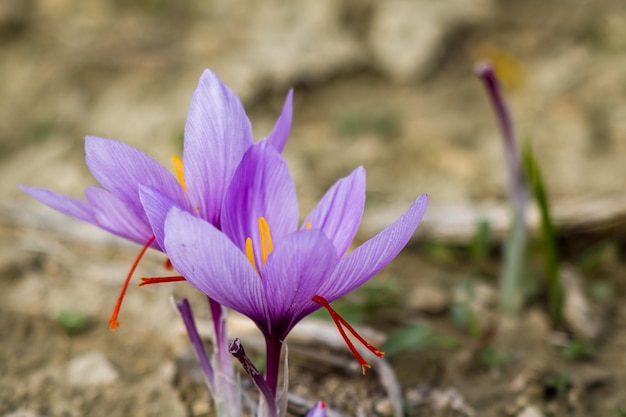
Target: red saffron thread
{"x": 160, "y": 280}
{"x": 113, "y": 323}
{"x": 168, "y": 265}
{"x": 340, "y": 322}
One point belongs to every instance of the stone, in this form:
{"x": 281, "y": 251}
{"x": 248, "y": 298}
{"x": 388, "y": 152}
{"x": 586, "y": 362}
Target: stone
{"x": 579, "y": 314}
{"x": 384, "y": 408}
{"x": 530, "y": 411}
{"x": 408, "y": 36}
{"x": 288, "y": 42}
{"x": 91, "y": 369}
{"x": 23, "y": 413}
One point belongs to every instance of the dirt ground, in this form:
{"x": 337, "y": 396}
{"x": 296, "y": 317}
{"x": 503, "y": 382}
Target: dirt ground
{"x": 387, "y": 85}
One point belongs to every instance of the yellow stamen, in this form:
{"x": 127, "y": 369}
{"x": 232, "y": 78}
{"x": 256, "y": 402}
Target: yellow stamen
{"x": 266, "y": 239}
{"x": 307, "y": 225}
{"x": 250, "y": 253}
{"x": 178, "y": 169}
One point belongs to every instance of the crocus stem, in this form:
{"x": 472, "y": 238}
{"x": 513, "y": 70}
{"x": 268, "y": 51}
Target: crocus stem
{"x": 517, "y": 192}
{"x": 192, "y": 331}
{"x": 230, "y": 394}
{"x": 272, "y": 362}
{"x": 237, "y": 350}
{"x": 511, "y": 297}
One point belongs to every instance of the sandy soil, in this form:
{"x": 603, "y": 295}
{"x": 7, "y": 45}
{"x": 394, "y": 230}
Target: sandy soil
{"x": 386, "y": 85}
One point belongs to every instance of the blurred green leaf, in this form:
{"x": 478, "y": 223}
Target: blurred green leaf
{"x": 481, "y": 243}
{"x": 601, "y": 291}
{"x": 72, "y": 321}
{"x": 548, "y": 235}
{"x": 415, "y": 337}
{"x": 440, "y": 253}
{"x": 599, "y": 254}
{"x": 384, "y": 124}
{"x": 464, "y": 317}
{"x": 578, "y": 349}
{"x": 560, "y": 382}
{"x": 493, "y": 358}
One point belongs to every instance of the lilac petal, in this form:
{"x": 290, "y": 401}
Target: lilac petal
{"x": 300, "y": 263}
{"x": 280, "y": 134}
{"x": 339, "y": 212}
{"x": 319, "y": 410}
{"x": 196, "y": 341}
{"x": 217, "y": 135}
{"x": 113, "y": 215}
{"x": 67, "y": 205}
{"x": 212, "y": 264}
{"x": 372, "y": 256}
{"x": 261, "y": 187}
{"x": 120, "y": 168}
{"x": 156, "y": 207}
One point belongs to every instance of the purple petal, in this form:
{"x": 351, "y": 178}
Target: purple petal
{"x": 212, "y": 264}
{"x": 339, "y": 212}
{"x": 217, "y": 134}
{"x": 280, "y": 134}
{"x": 372, "y": 256}
{"x": 196, "y": 341}
{"x": 293, "y": 274}
{"x": 121, "y": 168}
{"x": 156, "y": 207}
{"x": 261, "y": 187}
{"x": 236, "y": 349}
{"x": 67, "y": 205}
{"x": 113, "y": 215}
{"x": 319, "y": 410}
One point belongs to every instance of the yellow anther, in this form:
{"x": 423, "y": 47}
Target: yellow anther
{"x": 266, "y": 239}
{"x": 307, "y": 225}
{"x": 250, "y": 253}
{"x": 178, "y": 169}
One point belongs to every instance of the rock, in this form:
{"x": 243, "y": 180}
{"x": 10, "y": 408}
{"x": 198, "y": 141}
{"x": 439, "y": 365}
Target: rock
{"x": 407, "y": 36}
{"x": 23, "y": 413}
{"x": 91, "y": 369}
{"x": 384, "y": 408}
{"x": 530, "y": 411}
{"x": 291, "y": 41}
{"x": 579, "y": 314}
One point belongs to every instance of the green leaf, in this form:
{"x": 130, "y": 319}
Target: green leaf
{"x": 72, "y": 321}
{"x": 548, "y": 235}
{"x": 415, "y": 337}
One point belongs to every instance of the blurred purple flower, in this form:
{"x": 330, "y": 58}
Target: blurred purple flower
{"x": 265, "y": 267}
{"x": 217, "y": 134}
{"x": 318, "y": 410}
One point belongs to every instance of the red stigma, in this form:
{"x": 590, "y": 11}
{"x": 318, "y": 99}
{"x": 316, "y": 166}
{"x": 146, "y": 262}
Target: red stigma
{"x": 113, "y": 323}
{"x": 340, "y": 322}
{"x": 168, "y": 265}
{"x": 160, "y": 280}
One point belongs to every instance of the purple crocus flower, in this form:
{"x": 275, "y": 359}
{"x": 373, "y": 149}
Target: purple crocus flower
{"x": 217, "y": 134}
{"x": 318, "y": 410}
{"x": 262, "y": 264}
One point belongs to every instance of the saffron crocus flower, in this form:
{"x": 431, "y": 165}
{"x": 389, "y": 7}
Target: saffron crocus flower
{"x": 319, "y": 410}
{"x": 217, "y": 134}
{"x": 263, "y": 265}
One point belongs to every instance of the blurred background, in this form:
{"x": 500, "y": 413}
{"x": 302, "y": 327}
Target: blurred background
{"x": 389, "y": 85}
